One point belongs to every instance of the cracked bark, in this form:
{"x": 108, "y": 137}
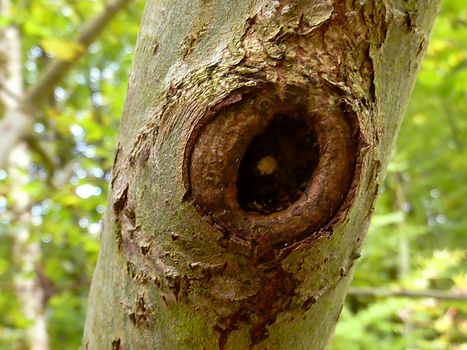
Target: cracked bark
{"x": 224, "y": 102}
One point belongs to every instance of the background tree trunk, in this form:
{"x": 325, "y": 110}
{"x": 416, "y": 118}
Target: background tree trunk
{"x": 26, "y": 251}
{"x": 197, "y": 251}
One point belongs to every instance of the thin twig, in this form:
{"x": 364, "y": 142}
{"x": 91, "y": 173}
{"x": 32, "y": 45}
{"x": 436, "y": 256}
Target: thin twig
{"x": 386, "y": 292}
{"x": 7, "y": 91}
{"x": 56, "y": 70}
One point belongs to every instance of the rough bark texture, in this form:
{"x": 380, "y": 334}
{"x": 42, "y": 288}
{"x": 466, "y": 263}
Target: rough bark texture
{"x": 186, "y": 261}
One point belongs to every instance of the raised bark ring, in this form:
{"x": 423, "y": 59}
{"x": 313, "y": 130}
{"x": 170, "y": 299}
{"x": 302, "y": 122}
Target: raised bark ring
{"x": 224, "y": 158}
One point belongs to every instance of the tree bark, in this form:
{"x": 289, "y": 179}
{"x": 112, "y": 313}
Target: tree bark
{"x": 254, "y": 138}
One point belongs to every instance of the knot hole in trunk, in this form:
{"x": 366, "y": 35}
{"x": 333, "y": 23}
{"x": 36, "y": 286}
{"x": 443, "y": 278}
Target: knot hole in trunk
{"x": 272, "y": 166}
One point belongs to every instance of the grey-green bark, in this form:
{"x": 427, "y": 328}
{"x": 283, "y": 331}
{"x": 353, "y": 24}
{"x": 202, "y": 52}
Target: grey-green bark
{"x": 177, "y": 270}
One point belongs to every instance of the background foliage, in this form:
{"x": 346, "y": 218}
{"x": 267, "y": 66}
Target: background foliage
{"x": 417, "y": 239}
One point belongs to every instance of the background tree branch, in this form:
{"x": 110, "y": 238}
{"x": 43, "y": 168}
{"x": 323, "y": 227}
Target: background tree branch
{"x": 388, "y": 292}
{"x": 17, "y": 124}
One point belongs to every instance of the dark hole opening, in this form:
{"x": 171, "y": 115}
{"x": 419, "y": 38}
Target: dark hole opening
{"x": 277, "y": 165}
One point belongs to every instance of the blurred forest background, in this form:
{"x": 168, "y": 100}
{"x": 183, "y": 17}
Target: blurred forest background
{"x": 410, "y": 287}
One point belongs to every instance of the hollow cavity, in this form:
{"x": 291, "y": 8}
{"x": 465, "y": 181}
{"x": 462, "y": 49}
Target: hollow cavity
{"x": 277, "y": 165}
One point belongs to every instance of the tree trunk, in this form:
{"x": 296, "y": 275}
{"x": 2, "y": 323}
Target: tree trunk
{"x": 254, "y": 137}
{"x": 27, "y": 254}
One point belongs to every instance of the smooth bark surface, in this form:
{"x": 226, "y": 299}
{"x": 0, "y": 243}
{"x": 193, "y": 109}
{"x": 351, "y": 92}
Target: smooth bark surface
{"x": 188, "y": 259}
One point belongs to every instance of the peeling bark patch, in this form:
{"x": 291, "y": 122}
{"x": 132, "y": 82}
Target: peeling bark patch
{"x": 125, "y": 217}
{"x": 155, "y": 48}
{"x": 191, "y": 40}
{"x": 374, "y": 13}
{"x": 143, "y": 313}
{"x": 144, "y": 143}
{"x": 115, "y": 166}
{"x": 260, "y": 310}
{"x": 119, "y": 203}
{"x": 120, "y": 199}
{"x": 228, "y": 325}
{"x": 308, "y": 303}
{"x": 272, "y": 299}
{"x": 176, "y": 287}
{"x": 145, "y": 248}
{"x": 117, "y": 344}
